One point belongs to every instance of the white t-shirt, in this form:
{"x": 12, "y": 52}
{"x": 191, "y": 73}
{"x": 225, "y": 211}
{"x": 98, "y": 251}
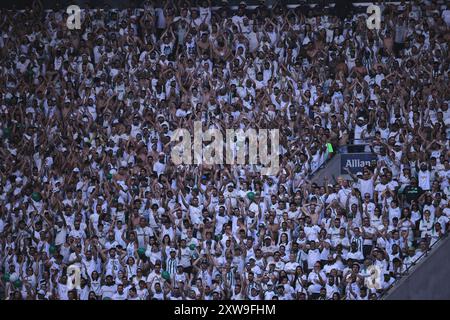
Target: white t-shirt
{"x": 366, "y": 186}
{"x": 424, "y": 179}
{"x": 118, "y": 296}
{"x": 358, "y": 133}
{"x": 195, "y": 213}
{"x": 108, "y": 291}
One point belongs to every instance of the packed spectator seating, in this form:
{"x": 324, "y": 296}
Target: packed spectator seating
{"x": 87, "y": 184}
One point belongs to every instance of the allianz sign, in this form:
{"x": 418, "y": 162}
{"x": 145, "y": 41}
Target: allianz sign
{"x": 356, "y": 161}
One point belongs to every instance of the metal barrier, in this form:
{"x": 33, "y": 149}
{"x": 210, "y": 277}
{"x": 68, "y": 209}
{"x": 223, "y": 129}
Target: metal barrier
{"x": 357, "y": 146}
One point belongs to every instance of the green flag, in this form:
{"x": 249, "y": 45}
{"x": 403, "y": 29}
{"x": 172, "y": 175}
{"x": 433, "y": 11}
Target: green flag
{"x": 329, "y": 147}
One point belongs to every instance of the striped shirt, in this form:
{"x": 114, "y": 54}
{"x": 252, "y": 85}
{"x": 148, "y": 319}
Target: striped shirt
{"x": 171, "y": 266}
{"x": 231, "y": 280}
{"x": 359, "y": 243}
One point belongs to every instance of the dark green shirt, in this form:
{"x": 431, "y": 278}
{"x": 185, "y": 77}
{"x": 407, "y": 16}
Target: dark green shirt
{"x": 412, "y": 193}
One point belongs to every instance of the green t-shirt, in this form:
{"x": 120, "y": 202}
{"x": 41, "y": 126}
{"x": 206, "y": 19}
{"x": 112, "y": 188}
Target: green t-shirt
{"x": 412, "y": 193}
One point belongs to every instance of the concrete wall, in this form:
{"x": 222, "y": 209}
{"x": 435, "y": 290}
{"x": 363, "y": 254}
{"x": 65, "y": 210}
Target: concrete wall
{"x": 333, "y": 167}
{"x": 430, "y": 278}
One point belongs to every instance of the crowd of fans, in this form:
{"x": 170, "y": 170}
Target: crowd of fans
{"x": 86, "y": 179}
